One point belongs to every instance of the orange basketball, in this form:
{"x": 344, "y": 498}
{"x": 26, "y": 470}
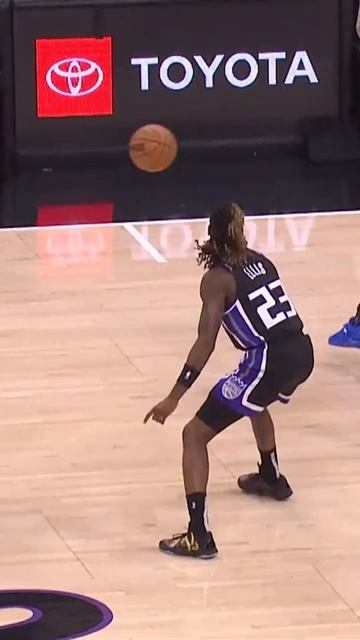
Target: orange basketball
{"x": 153, "y": 148}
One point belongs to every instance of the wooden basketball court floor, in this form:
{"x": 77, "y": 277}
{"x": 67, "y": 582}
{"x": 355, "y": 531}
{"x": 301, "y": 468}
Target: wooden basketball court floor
{"x": 95, "y": 325}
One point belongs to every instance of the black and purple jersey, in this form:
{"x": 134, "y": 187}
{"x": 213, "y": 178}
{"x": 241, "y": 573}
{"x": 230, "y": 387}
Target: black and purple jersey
{"x": 262, "y": 312}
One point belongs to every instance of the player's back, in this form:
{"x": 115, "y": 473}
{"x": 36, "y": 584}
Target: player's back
{"x": 262, "y": 311}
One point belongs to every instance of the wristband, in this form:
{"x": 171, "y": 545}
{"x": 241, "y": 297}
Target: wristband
{"x": 188, "y": 376}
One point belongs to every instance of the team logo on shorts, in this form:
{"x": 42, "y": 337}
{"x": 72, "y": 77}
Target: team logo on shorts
{"x": 233, "y": 388}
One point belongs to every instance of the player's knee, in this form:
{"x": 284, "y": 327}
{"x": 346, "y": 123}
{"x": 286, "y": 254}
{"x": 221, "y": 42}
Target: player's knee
{"x": 189, "y": 436}
{"x": 193, "y": 435}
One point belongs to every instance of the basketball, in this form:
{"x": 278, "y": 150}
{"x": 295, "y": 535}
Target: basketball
{"x": 153, "y": 148}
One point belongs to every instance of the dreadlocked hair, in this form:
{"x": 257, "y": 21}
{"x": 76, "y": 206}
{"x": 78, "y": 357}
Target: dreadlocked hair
{"x": 227, "y": 243}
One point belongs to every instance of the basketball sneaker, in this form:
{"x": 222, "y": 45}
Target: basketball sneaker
{"x": 186, "y": 544}
{"x": 254, "y": 483}
{"x": 349, "y": 335}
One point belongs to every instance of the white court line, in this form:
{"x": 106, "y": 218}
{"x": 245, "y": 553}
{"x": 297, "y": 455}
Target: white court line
{"x": 266, "y": 216}
{"x": 144, "y": 242}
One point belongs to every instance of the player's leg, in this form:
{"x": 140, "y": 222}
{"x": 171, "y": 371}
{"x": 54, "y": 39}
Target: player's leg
{"x": 268, "y": 481}
{"x": 288, "y": 364}
{"x": 195, "y": 459}
{"x": 264, "y": 431}
{"x": 212, "y": 418}
{"x": 349, "y": 335}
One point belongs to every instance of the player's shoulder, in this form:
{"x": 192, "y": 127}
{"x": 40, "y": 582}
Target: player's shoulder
{"x": 217, "y": 279}
{"x": 216, "y": 275}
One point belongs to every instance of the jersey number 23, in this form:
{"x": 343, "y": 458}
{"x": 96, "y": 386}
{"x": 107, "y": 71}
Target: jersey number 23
{"x": 273, "y": 295}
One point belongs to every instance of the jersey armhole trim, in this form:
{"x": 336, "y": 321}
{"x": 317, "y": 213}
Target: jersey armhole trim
{"x": 230, "y": 308}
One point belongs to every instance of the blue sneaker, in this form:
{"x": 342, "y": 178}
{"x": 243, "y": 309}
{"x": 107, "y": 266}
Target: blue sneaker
{"x": 349, "y": 335}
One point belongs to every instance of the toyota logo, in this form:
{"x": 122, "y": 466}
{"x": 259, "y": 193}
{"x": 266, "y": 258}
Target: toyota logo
{"x": 74, "y": 77}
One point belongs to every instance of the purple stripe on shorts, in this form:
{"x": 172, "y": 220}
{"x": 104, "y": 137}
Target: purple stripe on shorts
{"x": 231, "y": 389}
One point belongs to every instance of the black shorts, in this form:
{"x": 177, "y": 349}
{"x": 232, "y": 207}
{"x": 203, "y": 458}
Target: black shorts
{"x": 268, "y": 373}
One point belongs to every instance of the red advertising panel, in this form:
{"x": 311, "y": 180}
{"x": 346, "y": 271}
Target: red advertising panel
{"x": 74, "y": 77}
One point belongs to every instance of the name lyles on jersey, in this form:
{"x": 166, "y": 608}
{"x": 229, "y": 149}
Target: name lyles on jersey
{"x": 252, "y": 271}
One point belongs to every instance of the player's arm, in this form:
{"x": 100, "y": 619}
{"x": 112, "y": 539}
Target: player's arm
{"x": 213, "y": 295}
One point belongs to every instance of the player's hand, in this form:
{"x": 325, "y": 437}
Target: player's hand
{"x": 162, "y": 410}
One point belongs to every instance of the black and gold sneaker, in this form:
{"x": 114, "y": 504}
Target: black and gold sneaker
{"x": 254, "y": 483}
{"x": 186, "y": 544}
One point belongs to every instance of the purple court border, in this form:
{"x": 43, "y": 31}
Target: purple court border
{"x": 106, "y": 612}
{"x": 36, "y": 614}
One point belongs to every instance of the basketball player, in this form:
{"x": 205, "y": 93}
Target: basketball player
{"x": 349, "y": 335}
{"x": 241, "y": 291}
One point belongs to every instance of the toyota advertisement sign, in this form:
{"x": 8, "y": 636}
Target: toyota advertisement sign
{"x": 85, "y": 84}
{"x": 68, "y": 71}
